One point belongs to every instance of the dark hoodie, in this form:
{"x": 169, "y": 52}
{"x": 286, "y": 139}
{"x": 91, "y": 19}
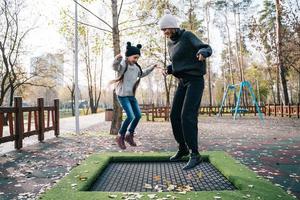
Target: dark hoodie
{"x": 183, "y": 48}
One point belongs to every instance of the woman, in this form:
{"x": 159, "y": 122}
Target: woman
{"x": 187, "y": 54}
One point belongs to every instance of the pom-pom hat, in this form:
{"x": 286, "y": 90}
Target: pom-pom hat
{"x": 168, "y": 21}
{"x": 132, "y": 50}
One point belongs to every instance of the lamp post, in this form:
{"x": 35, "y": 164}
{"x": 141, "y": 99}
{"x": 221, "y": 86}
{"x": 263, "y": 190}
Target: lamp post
{"x": 76, "y": 73}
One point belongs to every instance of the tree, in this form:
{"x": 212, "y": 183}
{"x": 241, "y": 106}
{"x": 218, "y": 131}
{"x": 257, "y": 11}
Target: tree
{"x": 155, "y": 46}
{"x": 222, "y": 7}
{"x": 282, "y": 68}
{"x": 12, "y": 74}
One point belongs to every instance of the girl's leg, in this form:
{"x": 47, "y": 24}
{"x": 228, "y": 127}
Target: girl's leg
{"x": 137, "y": 114}
{"x": 126, "y": 105}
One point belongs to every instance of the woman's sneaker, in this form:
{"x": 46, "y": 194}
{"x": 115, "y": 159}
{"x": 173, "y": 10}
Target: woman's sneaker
{"x": 194, "y": 160}
{"x": 129, "y": 139}
{"x": 180, "y": 154}
{"x": 120, "y": 142}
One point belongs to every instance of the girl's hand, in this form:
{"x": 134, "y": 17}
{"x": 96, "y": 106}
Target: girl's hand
{"x": 119, "y": 56}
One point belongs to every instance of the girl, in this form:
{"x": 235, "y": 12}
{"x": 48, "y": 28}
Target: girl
{"x": 129, "y": 73}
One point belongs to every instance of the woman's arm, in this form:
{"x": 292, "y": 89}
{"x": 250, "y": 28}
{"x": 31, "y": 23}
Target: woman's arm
{"x": 204, "y": 49}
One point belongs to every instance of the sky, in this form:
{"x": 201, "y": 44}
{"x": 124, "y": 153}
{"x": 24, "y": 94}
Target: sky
{"x": 46, "y": 38}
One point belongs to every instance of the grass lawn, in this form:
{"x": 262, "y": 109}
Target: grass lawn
{"x": 249, "y": 185}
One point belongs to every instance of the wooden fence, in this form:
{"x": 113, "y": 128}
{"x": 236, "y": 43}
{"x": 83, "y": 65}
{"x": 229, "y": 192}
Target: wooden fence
{"x": 40, "y": 114}
{"x": 163, "y": 112}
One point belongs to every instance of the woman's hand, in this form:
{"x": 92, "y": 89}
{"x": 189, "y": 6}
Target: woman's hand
{"x": 200, "y": 57}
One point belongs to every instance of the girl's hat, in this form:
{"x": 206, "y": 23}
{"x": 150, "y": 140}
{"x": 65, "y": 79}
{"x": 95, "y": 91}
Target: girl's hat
{"x": 132, "y": 50}
{"x": 168, "y": 21}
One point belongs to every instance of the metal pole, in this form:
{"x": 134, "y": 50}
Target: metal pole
{"x": 76, "y": 73}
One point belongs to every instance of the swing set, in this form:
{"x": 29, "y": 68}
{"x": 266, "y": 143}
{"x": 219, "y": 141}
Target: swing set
{"x": 237, "y": 109}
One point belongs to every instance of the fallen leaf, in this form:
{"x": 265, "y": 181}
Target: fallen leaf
{"x": 151, "y": 196}
{"x": 171, "y": 187}
{"x": 156, "y": 178}
{"x": 82, "y": 178}
{"x": 147, "y": 186}
{"x": 200, "y": 174}
{"x": 112, "y": 196}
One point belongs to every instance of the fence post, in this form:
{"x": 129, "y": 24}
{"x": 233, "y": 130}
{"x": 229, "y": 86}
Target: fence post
{"x": 289, "y": 107}
{"x": 281, "y": 109}
{"x": 298, "y": 110}
{"x": 269, "y": 110}
{"x": 56, "y": 117}
{"x": 153, "y": 112}
{"x": 18, "y": 123}
{"x": 41, "y": 120}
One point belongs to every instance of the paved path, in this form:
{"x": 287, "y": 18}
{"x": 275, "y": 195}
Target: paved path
{"x": 272, "y": 150}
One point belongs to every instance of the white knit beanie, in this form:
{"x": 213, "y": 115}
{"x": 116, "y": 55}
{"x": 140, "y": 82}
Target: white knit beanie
{"x": 168, "y": 21}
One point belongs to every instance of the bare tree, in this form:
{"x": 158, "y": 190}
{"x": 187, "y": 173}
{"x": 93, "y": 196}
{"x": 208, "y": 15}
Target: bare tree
{"x": 12, "y": 74}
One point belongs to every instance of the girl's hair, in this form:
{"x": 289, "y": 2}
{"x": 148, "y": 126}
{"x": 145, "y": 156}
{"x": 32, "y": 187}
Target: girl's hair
{"x": 120, "y": 79}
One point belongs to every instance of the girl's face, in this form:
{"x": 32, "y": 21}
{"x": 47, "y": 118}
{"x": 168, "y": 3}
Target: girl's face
{"x": 168, "y": 32}
{"x": 133, "y": 59}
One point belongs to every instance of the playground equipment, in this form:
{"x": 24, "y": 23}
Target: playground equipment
{"x": 237, "y": 109}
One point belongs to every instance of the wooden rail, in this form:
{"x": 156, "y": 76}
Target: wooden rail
{"x": 163, "y": 112}
{"x": 14, "y": 116}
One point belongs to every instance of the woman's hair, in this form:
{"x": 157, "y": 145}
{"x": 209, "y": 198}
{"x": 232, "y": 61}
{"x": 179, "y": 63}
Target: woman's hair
{"x": 120, "y": 79}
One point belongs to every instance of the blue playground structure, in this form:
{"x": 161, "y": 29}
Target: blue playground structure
{"x": 237, "y": 109}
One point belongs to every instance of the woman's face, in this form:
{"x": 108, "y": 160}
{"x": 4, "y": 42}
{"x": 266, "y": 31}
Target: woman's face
{"x": 133, "y": 59}
{"x": 168, "y": 32}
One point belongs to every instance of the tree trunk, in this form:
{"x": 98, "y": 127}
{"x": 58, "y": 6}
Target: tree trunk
{"x": 241, "y": 57}
{"x": 271, "y": 85}
{"x": 229, "y": 50}
{"x": 298, "y": 87}
{"x": 167, "y": 89}
{"x": 278, "y": 85}
{"x": 207, "y": 62}
{"x": 117, "y": 114}
{"x": 279, "y": 53}
{"x": 237, "y": 46}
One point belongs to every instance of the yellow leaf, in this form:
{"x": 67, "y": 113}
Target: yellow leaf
{"x": 82, "y": 178}
{"x": 156, "y": 178}
{"x": 200, "y": 174}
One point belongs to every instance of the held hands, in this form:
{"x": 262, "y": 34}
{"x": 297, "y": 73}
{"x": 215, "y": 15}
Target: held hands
{"x": 200, "y": 57}
{"x": 161, "y": 69}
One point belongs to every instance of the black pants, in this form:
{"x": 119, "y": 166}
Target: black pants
{"x": 184, "y": 112}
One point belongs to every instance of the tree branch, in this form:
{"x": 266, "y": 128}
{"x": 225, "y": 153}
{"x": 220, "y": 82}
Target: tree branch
{"x": 120, "y": 10}
{"x": 128, "y": 21}
{"x": 86, "y": 24}
{"x": 138, "y": 26}
{"x": 93, "y": 14}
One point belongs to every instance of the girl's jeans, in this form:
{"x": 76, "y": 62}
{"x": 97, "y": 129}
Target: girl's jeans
{"x": 133, "y": 112}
